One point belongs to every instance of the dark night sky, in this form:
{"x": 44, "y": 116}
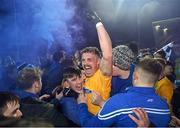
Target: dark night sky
{"x": 27, "y": 25}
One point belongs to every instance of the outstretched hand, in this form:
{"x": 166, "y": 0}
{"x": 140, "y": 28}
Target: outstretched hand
{"x": 175, "y": 122}
{"x": 44, "y": 97}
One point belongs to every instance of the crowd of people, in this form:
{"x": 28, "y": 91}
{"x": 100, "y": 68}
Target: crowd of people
{"x": 110, "y": 87}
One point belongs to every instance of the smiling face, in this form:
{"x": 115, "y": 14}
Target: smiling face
{"x": 75, "y": 83}
{"x": 90, "y": 63}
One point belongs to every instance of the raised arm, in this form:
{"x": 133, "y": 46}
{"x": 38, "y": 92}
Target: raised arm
{"x": 105, "y": 44}
{"x": 106, "y": 48}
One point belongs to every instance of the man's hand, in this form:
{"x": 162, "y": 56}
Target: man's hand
{"x": 143, "y": 120}
{"x": 97, "y": 99}
{"x": 59, "y": 95}
{"x": 175, "y": 122}
{"x": 44, "y": 97}
{"x": 93, "y": 16}
{"x": 82, "y": 98}
{"x": 58, "y": 89}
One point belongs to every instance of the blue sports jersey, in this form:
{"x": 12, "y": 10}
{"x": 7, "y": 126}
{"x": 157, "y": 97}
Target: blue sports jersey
{"x": 116, "y": 109}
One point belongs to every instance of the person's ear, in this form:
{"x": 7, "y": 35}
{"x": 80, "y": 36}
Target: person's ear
{"x": 36, "y": 84}
{"x": 98, "y": 61}
{"x": 136, "y": 75}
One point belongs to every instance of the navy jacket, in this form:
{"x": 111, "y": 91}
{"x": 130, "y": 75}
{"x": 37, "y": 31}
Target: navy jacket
{"x": 70, "y": 109}
{"x": 119, "y": 85}
{"x": 32, "y": 107}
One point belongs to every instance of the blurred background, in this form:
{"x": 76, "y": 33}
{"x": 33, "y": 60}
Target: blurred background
{"x": 30, "y": 28}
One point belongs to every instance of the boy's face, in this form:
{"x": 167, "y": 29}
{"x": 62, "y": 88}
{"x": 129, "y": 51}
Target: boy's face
{"x": 12, "y": 110}
{"x": 75, "y": 83}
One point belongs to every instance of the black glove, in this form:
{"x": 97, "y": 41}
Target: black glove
{"x": 93, "y": 17}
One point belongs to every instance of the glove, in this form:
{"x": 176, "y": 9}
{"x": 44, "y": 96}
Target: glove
{"x": 93, "y": 17}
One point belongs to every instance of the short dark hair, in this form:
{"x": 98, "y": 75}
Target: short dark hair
{"x": 27, "y": 76}
{"x": 93, "y": 50}
{"x": 161, "y": 61}
{"x": 150, "y": 67}
{"x": 69, "y": 72}
{"x": 5, "y": 98}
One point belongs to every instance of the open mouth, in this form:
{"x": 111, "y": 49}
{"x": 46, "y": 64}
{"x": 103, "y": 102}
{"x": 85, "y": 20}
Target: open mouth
{"x": 79, "y": 88}
{"x": 87, "y": 69}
